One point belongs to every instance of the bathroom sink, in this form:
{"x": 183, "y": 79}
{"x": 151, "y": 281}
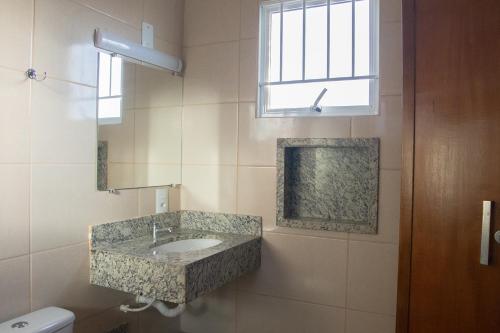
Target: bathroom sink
{"x": 202, "y": 252}
{"x": 186, "y": 245}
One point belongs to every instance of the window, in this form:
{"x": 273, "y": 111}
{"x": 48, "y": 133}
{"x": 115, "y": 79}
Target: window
{"x": 109, "y": 89}
{"x": 318, "y": 58}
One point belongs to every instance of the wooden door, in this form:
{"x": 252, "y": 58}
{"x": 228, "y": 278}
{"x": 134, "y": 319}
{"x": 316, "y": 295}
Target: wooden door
{"x": 456, "y": 166}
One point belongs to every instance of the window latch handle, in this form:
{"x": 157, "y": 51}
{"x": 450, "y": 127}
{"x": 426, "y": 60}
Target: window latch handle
{"x": 315, "y": 106}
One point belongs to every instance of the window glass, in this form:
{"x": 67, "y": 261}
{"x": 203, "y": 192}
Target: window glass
{"x": 104, "y": 74}
{"x": 312, "y": 45}
{"x": 316, "y": 35}
{"x": 341, "y": 39}
{"x": 110, "y": 107}
{"x": 109, "y": 89}
{"x": 292, "y": 42}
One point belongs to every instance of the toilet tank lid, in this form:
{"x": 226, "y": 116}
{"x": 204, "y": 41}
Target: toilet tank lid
{"x": 45, "y": 320}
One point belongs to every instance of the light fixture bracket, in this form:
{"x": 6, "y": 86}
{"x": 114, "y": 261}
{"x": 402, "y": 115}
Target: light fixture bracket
{"x": 114, "y": 44}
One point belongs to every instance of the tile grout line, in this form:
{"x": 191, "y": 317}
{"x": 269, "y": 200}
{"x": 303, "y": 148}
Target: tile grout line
{"x": 212, "y": 43}
{"x": 12, "y": 69}
{"x": 346, "y": 285}
{"x": 238, "y": 120}
{"x": 122, "y": 21}
{"x": 58, "y": 248}
{"x": 284, "y": 298}
{"x": 235, "y": 328}
{"x": 30, "y": 177}
{"x": 15, "y": 257}
{"x": 346, "y": 238}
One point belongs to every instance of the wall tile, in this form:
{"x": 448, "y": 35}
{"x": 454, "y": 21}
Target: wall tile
{"x": 386, "y": 126}
{"x": 147, "y": 201}
{"x": 16, "y": 28}
{"x": 249, "y": 19}
{"x": 157, "y": 88}
{"x": 63, "y": 123}
{"x": 257, "y": 136}
{"x": 69, "y": 53}
{"x": 169, "y": 47}
{"x": 174, "y": 198}
{"x": 65, "y": 202}
{"x": 60, "y": 277}
{"x": 211, "y": 21}
{"x": 158, "y": 134}
{"x": 363, "y": 322}
{"x": 108, "y": 320}
{"x": 264, "y": 314}
{"x": 167, "y": 17}
{"x": 209, "y": 188}
{"x": 391, "y": 59}
{"x": 388, "y": 205}
{"x": 157, "y": 174}
{"x": 14, "y": 287}
{"x": 14, "y": 209}
{"x": 127, "y": 11}
{"x": 213, "y": 313}
{"x": 211, "y": 74}
{"x": 390, "y": 10}
{"x": 248, "y": 70}
{"x": 302, "y": 268}
{"x": 120, "y": 138}
{"x": 372, "y": 278}
{"x": 151, "y": 321}
{"x": 121, "y": 175}
{"x": 257, "y": 194}
{"x": 210, "y": 134}
{"x": 14, "y": 116}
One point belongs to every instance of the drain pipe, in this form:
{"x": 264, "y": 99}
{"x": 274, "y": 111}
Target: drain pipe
{"x": 158, "y": 305}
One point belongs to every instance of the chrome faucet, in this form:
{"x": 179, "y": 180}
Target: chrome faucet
{"x": 156, "y": 230}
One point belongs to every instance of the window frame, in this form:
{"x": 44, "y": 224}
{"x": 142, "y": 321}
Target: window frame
{"x": 327, "y": 111}
{"x": 109, "y": 120}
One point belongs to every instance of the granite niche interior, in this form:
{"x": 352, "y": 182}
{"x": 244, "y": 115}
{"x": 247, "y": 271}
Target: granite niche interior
{"x": 328, "y": 184}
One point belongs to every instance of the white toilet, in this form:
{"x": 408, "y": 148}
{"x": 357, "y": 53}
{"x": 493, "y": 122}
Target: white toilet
{"x": 47, "y": 320}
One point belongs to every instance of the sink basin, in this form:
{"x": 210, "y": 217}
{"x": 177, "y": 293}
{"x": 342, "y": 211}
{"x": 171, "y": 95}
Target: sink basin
{"x": 186, "y": 245}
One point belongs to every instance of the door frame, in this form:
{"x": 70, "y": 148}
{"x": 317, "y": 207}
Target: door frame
{"x": 407, "y": 167}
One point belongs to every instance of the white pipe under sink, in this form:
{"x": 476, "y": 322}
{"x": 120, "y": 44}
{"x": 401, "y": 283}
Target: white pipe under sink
{"x": 158, "y": 305}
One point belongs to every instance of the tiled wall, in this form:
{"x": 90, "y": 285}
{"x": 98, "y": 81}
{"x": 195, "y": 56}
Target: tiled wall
{"x": 309, "y": 281}
{"x": 48, "y": 151}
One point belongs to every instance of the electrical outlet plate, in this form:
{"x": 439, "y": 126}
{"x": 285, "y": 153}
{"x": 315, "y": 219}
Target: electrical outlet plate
{"x": 161, "y": 200}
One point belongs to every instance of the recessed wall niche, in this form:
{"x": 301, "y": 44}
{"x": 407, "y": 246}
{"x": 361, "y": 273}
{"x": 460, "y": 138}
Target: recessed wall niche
{"x": 328, "y": 184}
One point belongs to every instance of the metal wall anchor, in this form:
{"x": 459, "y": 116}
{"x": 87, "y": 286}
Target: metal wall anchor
{"x": 32, "y": 74}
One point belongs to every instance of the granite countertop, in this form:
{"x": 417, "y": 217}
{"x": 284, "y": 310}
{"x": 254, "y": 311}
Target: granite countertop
{"x": 122, "y": 255}
{"x": 143, "y": 247}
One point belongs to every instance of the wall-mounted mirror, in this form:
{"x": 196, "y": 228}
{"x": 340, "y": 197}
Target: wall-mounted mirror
{"x": 138, "y": 125}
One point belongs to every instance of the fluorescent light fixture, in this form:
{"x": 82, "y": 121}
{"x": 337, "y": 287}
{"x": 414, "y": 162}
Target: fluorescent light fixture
{"x": 121, "y": 46}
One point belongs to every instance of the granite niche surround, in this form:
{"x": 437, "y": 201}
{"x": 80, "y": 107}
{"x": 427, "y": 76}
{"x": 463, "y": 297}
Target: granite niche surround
{"x": 122, "y": 256}
{"x": 328, "y": 184}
